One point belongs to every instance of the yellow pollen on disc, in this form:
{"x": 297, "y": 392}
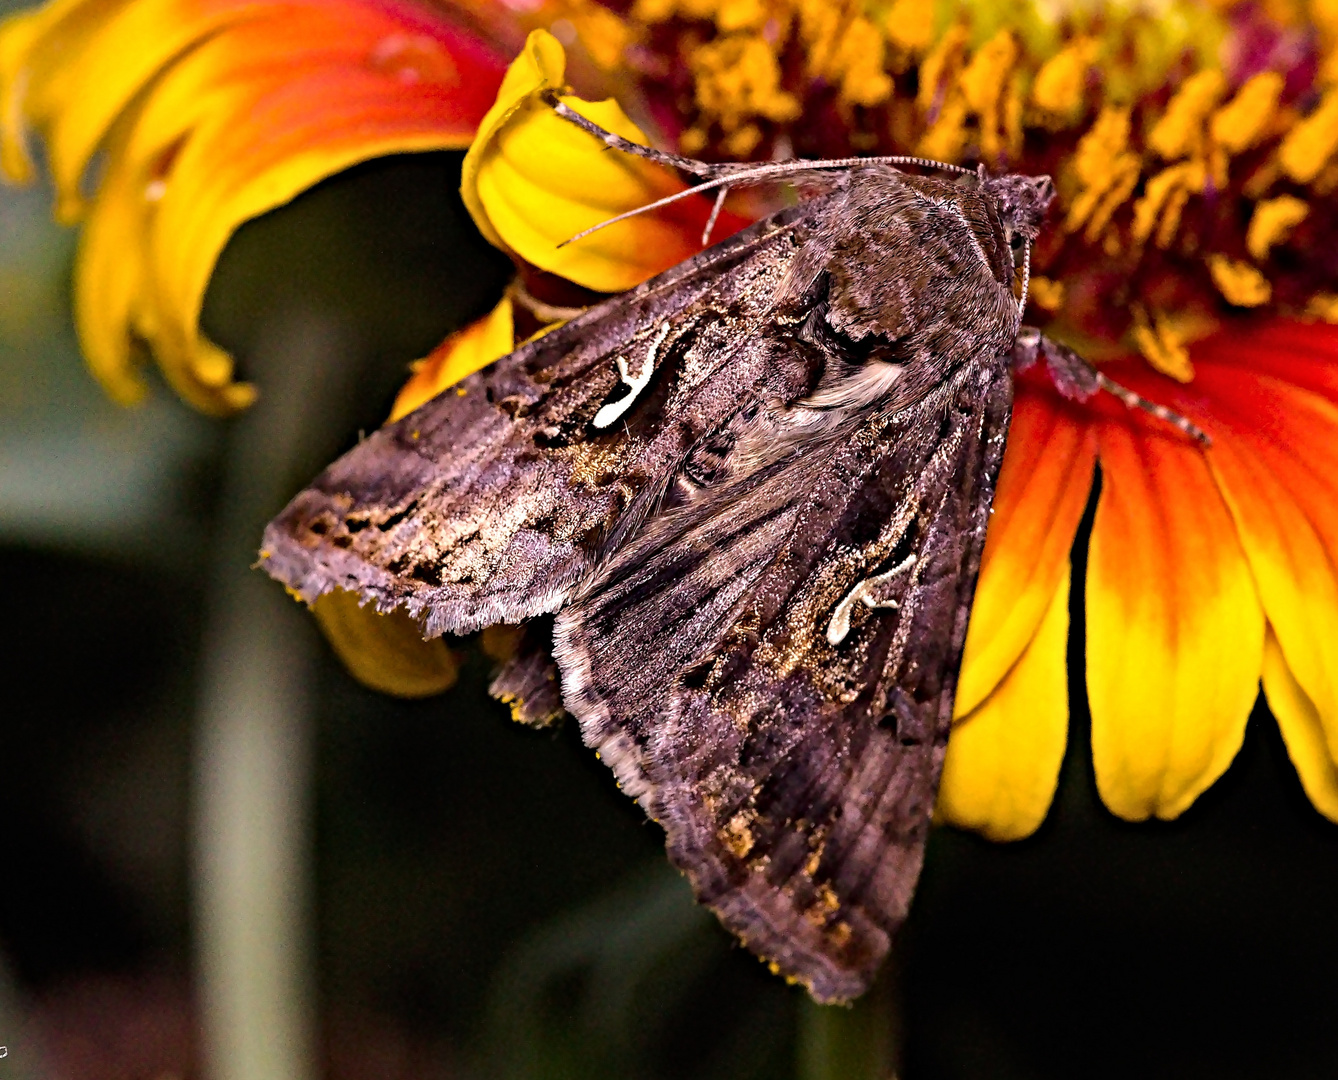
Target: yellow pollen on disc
{"x": 1272, "y": 222}
{"x": 946, "y": 139}
{"x": 1059, "y": 90}
{"x": 1162, "y": 346}
{"x": 846, "y": 49}
{"x": 1239, "y": 283}
{"x": 984, "y": 84}
{"x": 1323, "y": 306}
{"x": 1311, "y": 143}
{"x": 1046, "y": 294}
{"x": 909, "y": 25}
{"x": 1181, "y": 130}
{"x": 939, "y": 66}
{"x": 1106, "y": 172}
{"x": 1244, "y": 121}
{"x": 739, "y": 77}
{"x": 734, "y": 15}
{"x": 1163, "y": 201}
{"x": 604, "y": 35}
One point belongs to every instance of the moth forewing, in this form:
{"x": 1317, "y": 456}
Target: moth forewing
{"x": 754, "y": 492}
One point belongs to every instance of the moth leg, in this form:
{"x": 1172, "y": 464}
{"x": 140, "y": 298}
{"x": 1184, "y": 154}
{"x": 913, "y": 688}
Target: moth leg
{"x": 872, "y": 592}
{"x": 1077, "y": 380}
{"x": 715, "y": 213}
{"x": 543, "y": 312}
{"x": 692, "y": 166}
{"x": 528, "y": 680}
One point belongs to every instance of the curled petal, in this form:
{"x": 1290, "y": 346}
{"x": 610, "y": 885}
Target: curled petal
{"x": 208, "y": 113}
{"x": 1175, "y": 630}
{"x": 461, "y": 354}
{"x": 1004, "y": 758}
{"x": 532, "y": 180}
{"x": 1043, "y": 489}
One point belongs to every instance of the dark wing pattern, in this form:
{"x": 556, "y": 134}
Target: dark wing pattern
{"x": 788, "y": 735}
{"x": 488, "y": 503}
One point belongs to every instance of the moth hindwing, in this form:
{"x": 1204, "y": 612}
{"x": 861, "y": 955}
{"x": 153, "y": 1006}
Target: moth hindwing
{"x": 753, "y": 492}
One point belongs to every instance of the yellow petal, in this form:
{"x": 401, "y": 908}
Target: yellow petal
{"x": 461, "y": 354}
{"x": 1175, "y": 630}
{"x": 1302, "y": 730}
{"x": 1004, "y": 758}
{"x": 384, "y": 650}
{"x": 532, "y": 180}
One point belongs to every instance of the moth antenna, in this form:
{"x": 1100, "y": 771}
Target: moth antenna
{"x": 757, "y": 175}
{"x": 617, "y": 142}
{"x": 712, "y": 171}
{"x": 715, "y": 213}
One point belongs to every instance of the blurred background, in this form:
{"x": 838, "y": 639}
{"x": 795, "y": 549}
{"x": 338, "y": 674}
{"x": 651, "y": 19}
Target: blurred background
{"x": 471, "y": 898}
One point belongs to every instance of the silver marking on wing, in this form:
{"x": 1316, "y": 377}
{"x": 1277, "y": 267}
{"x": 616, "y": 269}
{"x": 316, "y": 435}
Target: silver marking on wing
{"x": 866, "y": 592}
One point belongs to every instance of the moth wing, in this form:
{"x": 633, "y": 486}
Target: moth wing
{"x": 488, "y": 503}
{"x": 793, "y": 766}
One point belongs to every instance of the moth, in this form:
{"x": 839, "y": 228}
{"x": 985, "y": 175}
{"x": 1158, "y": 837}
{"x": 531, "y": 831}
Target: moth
{"x": 740, "y": 511}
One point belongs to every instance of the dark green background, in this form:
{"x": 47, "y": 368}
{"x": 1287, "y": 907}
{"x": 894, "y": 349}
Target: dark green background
{"x": 487, "y": 903}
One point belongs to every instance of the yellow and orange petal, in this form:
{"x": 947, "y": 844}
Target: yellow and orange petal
{"x": 1012, "y": 707}
{"x": 1209, "y": 569}
{"x": 461, "y": 354}
{"x": 1275, "y": 401}
{"x": 385, "y": 650}
{"x": 1175, "y": 629}
{"x": 205, "y": 114}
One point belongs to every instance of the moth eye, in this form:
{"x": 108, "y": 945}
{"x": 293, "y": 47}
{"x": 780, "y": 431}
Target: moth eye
{"x": 1016, "y": 241}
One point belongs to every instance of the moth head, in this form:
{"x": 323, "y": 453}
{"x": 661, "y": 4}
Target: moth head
{"x": 1022, "y": 203}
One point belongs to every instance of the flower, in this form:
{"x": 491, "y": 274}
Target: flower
{"x": 198, "y": 115}
{"x": 1193, "y": 152}
{"x": 1193, "y": 146}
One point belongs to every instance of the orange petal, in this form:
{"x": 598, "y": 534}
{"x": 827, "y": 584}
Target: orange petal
{"x": 209, "y": 113}
{"x": 1043, "y": 489}
{"x": 532, "y": 180}
{"x": 1004, "y": 758}
{"x": 459, "y": 355}
{"x": 1175, "y": 630}
{"x": 1302, "y": 730}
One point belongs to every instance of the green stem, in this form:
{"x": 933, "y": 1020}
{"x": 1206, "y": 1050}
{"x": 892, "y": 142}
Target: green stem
{"x": 852, "y": 1042}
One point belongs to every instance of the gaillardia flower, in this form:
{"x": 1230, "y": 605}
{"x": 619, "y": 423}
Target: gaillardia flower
{"x": 1191, "y": 254}
{"x": 169, "y": 123}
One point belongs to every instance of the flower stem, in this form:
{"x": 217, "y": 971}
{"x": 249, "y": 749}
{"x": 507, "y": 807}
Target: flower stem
{"x": 852, "y": 1042}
